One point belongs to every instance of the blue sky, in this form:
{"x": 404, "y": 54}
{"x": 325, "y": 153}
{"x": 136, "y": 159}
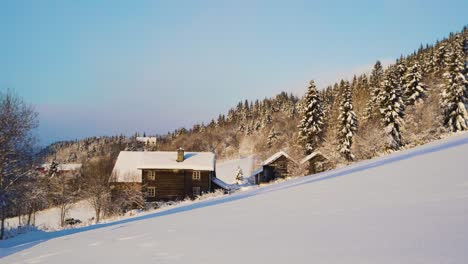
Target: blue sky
{"x": 110, "y": 67}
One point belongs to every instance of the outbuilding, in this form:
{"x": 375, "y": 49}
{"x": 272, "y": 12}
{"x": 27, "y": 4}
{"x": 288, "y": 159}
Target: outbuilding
{"x": 279, "y": 165}
{"x": 315, "y": 162}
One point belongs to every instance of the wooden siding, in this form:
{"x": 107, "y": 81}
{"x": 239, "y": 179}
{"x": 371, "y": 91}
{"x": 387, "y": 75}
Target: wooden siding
{"x": 317, "y": 164}
{"x": 280, "y": 168}
{"x": 175, "y": 184}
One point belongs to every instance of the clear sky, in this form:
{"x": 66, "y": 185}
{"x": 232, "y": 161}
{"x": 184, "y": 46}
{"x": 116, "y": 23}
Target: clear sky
{"x": 110, "y": 67}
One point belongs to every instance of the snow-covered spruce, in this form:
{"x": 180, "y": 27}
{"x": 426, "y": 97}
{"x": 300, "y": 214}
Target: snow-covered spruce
{"x": 311, "y": 125}
{"x": 347, "y": 122}
{"x": 440, "y": 56}
{"x": 375, "y": 81}
{"x": 455, "y": 93}
{"x": 415, "y": 89}
{"x": 272, "y": 138}
{"x": 392, "y": 109}
{"x": 239, "y": 176}
{"x": 401, "y": 72}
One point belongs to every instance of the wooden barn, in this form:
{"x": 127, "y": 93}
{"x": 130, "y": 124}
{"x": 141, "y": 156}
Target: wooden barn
{"x": 315, "y": 162}
{"x": 165, "y": 175}
{"x": 277, "y": 166}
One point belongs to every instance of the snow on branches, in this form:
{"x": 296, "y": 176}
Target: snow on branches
{"x": 311, "y": 125}
{"x": 347, "y": 122}
{"x": 392, "y": 109}
{"x": 455, "y": 93}
{"x": 415, "y": 89}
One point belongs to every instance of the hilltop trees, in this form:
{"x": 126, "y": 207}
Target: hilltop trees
{"x": 347, "y": 122}
{"x": 455, "y": 93}
{"x": 311, "y": 125}
{"x": 17, "y": 121}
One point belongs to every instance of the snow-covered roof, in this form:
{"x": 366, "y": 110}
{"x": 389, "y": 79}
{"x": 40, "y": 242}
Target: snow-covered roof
{"x": 311, "y": 156}
{"x": 220, "y": 183}
{"x": 260, "y": 170}
{"x": 276, "y": 156}
{"x": 227, "y": 170}
{"x": 63, "y": 167}
{"x": 129, "y": 164}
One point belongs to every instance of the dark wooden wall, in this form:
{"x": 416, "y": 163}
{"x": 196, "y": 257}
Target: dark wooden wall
{"x": 280, "y": 168}
{"x": 317, "y": 164}
{"x": 176, "y": 184}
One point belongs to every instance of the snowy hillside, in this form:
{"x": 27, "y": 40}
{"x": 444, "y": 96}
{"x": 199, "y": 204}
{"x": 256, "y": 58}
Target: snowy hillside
{"x": 408, "y": 207}
{"x": 49, "y": 219}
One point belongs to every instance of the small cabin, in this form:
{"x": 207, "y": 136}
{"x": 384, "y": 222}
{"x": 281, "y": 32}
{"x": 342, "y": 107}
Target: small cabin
{"x": 166, "y": 175}
{"x": 315, "y": 162}
{"x": 279, "y": 165}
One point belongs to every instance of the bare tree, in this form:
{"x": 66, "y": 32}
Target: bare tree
{"x": 17, "y": 121}
{"x": 64, "y": 189}
{"x": 126, "y": 197}
{"x": 96, "y": 184}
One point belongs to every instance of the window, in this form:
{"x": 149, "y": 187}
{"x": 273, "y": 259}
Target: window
{"x": 151, "y": 175}
{"x": 151, "y": 191}
{"x": 196, "y": 175}
{"x": 196, "y": 191}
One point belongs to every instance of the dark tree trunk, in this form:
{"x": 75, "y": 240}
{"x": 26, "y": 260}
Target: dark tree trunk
{"x": 2, "y": 230}
{"x": 30, "y": 213}
{"x": 98, "y": 215}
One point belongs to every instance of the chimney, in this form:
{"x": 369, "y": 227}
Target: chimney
{"x": 180, "y": 155}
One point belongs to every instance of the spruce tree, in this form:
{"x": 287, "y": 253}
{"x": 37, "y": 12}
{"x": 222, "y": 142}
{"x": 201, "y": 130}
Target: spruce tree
{"x": 375, "y": 81}
{"x": 392, "y": 109}
{"x": 347, "y": 123}
{"x": 415, "y": 89}
{"x": 239, "y": 176}
{"x": 272, "y": 138}
{"x": 401, "y": 71}
{"x": 439, "y": 56}
{"x": 455, "y": 93}
{"x": 311, "y": 125}
{"x": 431, "y": 65}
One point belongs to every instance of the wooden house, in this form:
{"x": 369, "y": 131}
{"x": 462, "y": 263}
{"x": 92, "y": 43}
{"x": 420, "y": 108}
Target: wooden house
{"x": 148, "y": 141}
{"x": 315, "y": 162}
{"x": 164, "y": 175}
{"x": 277, "y": 166}
{"x": 59, "y": 168}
